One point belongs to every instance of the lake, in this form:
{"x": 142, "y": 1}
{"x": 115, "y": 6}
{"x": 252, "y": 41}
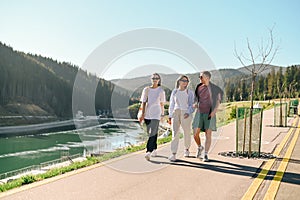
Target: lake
{"x": 33, "y": 149}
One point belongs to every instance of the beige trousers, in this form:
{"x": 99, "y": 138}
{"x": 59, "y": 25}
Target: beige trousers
{"x": 186, "y": 124}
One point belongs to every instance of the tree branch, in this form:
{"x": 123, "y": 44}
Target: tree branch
{"x": 266, "y": 53}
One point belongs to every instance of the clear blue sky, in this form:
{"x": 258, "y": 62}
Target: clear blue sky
{"x": 70, "y": 30}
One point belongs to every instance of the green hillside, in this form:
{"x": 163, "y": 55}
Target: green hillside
{"x": 35, "y": 85}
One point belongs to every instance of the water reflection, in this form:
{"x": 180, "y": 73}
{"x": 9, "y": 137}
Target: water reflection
{"x": 22, "y": 151}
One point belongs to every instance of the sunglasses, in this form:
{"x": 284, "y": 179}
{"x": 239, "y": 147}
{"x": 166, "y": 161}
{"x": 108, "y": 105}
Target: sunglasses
{"x": 155, "y": 78}
{"x": 186, "y": 81}
{"x": 200, "y": 77}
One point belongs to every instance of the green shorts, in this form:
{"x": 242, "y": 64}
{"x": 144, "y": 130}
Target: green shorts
{"x": 201, "y": 121}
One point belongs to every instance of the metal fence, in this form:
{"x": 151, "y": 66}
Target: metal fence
{"x": 280, "y": 114}
{"x": 293, "y": 107}
{"x": 19, "y": 171}
{"x": 60, "y": 160}
{"x": 243, "y": 131}
{"x": 41, "y": 167}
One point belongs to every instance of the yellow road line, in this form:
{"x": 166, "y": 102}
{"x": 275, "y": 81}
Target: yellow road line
{"x": 263, "y": 173}
{"x": 274, "y": 186}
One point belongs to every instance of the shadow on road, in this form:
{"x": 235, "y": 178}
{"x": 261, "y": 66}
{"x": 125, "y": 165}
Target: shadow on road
{"x": 234, "y": 169}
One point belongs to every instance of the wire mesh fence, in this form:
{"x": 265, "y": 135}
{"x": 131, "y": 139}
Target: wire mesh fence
{"x": 243, "y": 131}
{"x": 280, "y": 114}
{"x": 293, "y": 107}
{"x": 37, "y": 168}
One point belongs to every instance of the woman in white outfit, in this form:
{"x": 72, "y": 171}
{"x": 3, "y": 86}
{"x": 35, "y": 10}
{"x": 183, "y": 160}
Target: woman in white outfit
{"x": 153, "y": 99}
{"x": 180, "y": 114}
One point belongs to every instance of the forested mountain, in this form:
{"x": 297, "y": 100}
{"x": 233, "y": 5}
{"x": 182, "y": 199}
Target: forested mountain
{"x": 237, "y": 82}
{"x": 168, "y": 80}
{"x": 34, "y": 85}
{"x": 274, "y": 83}
{"x": 268, "y": 70}
{"x": 219, "y": 77}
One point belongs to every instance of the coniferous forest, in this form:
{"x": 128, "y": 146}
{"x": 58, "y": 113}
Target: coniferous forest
{"x": 35, "y": 85}
{"x": 280, "y": 83}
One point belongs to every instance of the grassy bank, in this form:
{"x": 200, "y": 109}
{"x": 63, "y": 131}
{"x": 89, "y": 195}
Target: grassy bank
{"x": 227, "y": 111}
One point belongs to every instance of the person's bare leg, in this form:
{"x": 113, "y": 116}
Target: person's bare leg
{"x": 208, "y": 133}
{"x": 198, "y": 142}
{"x": 197, "y": 136}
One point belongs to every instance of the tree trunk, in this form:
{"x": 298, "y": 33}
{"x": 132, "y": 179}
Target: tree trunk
{"x": 251, "y": 113}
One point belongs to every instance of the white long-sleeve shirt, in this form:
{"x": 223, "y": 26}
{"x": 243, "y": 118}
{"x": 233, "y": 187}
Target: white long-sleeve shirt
{"x": 182, "y": 100}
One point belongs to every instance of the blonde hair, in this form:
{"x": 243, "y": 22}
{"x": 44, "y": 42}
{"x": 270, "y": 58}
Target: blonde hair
{"x": 179, "y": 78}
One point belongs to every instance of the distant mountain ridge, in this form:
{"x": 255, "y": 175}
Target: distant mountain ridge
{"x": 268, "y": 69}
{"x": 168, "y": 80}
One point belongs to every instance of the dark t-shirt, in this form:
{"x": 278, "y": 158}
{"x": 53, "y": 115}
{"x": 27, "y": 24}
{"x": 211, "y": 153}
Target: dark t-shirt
{"x": 205, "y": 102}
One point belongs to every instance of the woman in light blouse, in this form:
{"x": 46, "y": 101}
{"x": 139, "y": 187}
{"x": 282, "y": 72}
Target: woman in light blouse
{"x": 180, "y": 114}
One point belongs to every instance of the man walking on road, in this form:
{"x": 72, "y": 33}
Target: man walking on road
{"x": 209, "y": 97}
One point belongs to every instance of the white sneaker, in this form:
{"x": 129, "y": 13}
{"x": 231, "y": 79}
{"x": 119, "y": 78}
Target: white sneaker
{"x": 205, "y": 159}
{"x": 172, "y": 158}
{"x": 199, "y": 151}
{"x": 154, "y": 153}
{"x": 186, "y": 153}
{"x": 147, "y": 156}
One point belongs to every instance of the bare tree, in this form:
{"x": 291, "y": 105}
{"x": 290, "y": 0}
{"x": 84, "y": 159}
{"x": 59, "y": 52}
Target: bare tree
{"x": 258, "y": 64}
